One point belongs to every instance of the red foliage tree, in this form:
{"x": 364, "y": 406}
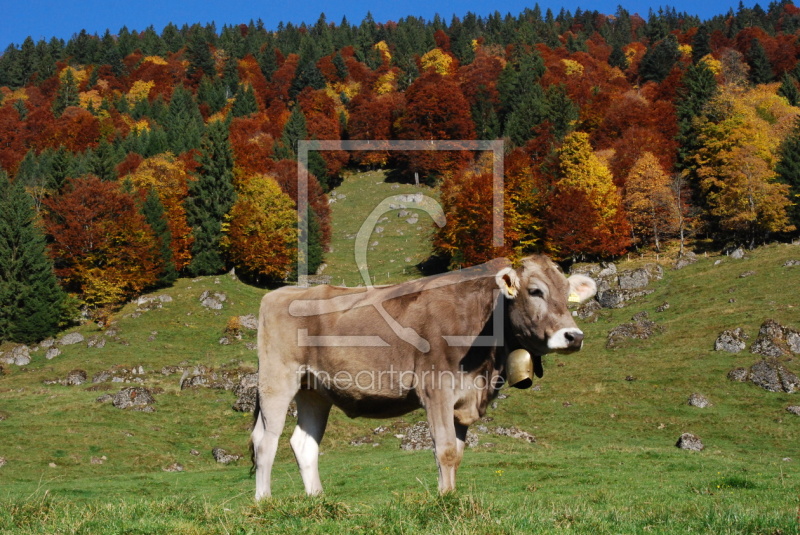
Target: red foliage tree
{"x": 436, "y": 109}
{"x": 252, "y": 143}
{"x": 103, "y": 248}
{"x": 374, "y": 117}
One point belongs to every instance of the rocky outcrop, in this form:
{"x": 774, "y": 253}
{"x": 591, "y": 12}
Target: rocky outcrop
{"x": 688, "y": 441}
{"x": 640, "y": 328}
{"x": 19, "y": 355}
{"x": 615, "y": 288}
{"x": 775, "y": 340}
{"x": 699, "y": 401}
{"x": 769, "y": 374}
{"x": 732, "y": 340}
{"x": 222, "y": 456}
{"x": 136, "y": 398}
{"x": 687, "y": 259}
{"x": 246, "y": 393}
{"x": 213, "y": 300}
{"x": 418, "y": 437}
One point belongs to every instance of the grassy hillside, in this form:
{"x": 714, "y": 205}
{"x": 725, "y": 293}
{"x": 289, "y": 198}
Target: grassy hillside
{"x": 604, "y": 461}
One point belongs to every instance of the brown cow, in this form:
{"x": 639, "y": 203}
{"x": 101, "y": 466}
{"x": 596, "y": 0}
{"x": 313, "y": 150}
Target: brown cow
{"x": 439, "y": 343}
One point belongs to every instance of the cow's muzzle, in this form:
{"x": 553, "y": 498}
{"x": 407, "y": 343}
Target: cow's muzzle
{"x": 566, "y": 340}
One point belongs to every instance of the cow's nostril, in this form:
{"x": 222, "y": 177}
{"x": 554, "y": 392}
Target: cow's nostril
{"x": 569, "y": 337}
{"x": 575, "y": 339}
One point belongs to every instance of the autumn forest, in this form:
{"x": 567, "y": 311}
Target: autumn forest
{"x": 129, "y": 159}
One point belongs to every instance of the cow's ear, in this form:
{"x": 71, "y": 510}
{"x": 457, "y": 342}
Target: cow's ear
{"x": 508, "y": 282}
{"x": 581, "y": 288}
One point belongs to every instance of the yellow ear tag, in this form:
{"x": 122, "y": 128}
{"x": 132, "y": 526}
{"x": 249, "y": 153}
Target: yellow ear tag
{"x": 574, "y": 298}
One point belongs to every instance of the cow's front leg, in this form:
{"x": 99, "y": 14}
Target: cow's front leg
{"x": 312, "y": 417}
{"x": 445, "y": 444}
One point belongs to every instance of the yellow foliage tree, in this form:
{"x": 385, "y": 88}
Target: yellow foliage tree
{"x": 737, "y": 158}
{"x": 649, "y": 200}
{"x": 262, "y": 232}
{"x": 139, "y": 90}
{"x": 581, "y": 168}
{"x": 572, "y": 67}
{"x": 438, "y": 60}
{"x": 383, "y": 48}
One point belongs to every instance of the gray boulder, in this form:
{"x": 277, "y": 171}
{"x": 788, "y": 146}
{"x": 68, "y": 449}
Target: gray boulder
{"x": 514, "y": 432}
{"x": 589, "y": 311}
{"x": 222, "y": 456}
{"x": 634, "y": 280}
{"x": 418, "y": 437}
{"x": 688, "y": 441}
{"x": 52, "y": 353}
{"x": 246, "y": 393}
{"x": 737, "y": 254}
{"x": 732, "y": 340}
{"x": 738, "y": 375}
{"x": 794, "y": 409}
{"x": 699, "y": 401}
{"x": 135, "y": 397}
{"x": 775, "y": 340}
{"x": 19, "y": 355}
{"x": 71, "y": 339}
{"x": 250, "y": 321}
{"x": 639, "y": 330}
{"x": 773, "y": 376}
{"x": 75, "y": 378}
{"x": 687, "y": 259}
{"x": 213, "y": 301}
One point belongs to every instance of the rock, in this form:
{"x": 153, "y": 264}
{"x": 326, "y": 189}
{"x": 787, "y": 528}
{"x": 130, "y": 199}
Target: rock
{"x": 250, "y": 321}
{"x": 105, "y": 398}
{"x": 75, "y": 378}
{"x": 794, "y": 409}
{"x": 19, "y": 355}
{"x": 213, "y": 301}
{"x": 691, "y": 442}
{"x": 222, "y": 456}
{"x": 363, "y": 440}
{"x": 640, "y": 330}
{"x": 589, "y": 311}
{"x": 174, "y": 467}
{"x": 152, "y": 337}
{"x": 747, "y": 274}
{"x": 791, "y": 263}
{"x": 96, "y": 341}
{"x": 775, "y": 340}
{"x": 771, "y": 375}
{"x": 48, "y": 342}
{"x": 98, "y": 460}
{"x": 687, "y": 259}
{"x": 71, "y": 339}
{"x": 133, "y": 397}
{"x": 418, "y": 437}
{"x": 737, "y": 254}
{"x": 514, "y": 432}
{"x": 732, "y": 341}
{"x": 699, "y": 401}
{"x": 3, "y": 462}
{"x": 640, "y": 316}
{"x": 194, "y": 452}
{"x": 246, "y": 392}
{"x": 52, "y": 353}
{"x": 218, "y": 379}
{"x": 634, "y": 280}
{"x": 738, "y": 374}
{"x": 662, "y": 307}
{"x": 224, "y": 341}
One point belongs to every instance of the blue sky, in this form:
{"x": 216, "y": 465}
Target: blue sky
{"x": 62, "y": 18}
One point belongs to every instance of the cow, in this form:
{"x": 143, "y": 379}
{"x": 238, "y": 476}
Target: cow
{"x": 440, "y": 343}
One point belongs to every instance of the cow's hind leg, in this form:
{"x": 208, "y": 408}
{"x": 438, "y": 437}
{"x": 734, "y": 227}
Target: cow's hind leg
{"x": 312, "y": 418}
{"x": 266, "y": 432}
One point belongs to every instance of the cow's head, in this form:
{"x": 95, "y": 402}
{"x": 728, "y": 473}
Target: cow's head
{"x": 538, "y": 294}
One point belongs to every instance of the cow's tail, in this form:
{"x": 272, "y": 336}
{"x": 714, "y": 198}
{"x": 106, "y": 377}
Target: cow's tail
{"x": 256, "y": 416}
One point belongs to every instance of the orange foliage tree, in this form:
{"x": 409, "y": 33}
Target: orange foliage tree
{"x": 103, "y": 249}
{"x": 170, "y": 180}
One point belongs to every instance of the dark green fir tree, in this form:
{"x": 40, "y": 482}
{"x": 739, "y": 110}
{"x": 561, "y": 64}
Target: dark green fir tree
{"x": 760, "y": 67}
{"x": 31, "y": 301}
{"x": 788, "y": 171}
{"x": 245, "y": 103}
{"x": 153, "y": 212}
{"x": 211, "y": 197}
{"x": 67, "y": 94}
{"x": 788, "y": 89}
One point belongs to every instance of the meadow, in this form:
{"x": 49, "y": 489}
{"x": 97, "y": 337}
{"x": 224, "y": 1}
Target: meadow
{"x": 605, "y": 420}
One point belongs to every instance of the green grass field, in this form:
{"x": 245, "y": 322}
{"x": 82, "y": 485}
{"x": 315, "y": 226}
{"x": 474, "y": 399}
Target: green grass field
{"x": 604, "y": 461}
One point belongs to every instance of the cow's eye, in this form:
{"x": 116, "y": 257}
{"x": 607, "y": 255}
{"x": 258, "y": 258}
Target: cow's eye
{"x": 535, "y": 292}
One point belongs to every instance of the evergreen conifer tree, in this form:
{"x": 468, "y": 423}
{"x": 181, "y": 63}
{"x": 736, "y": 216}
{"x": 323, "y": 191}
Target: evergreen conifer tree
{"x": 211, "y": 197}
{"x": 698, "y": 87}
{"x": 788, "y": 171}
{"x": 788, "y": 89}
{"x": 67, "y": 94}
{"x": 701, "y": 44}
{"x": 31, "y": 301}
{"x": 103, "y": 161}
{"x": 183, "y": 122}
{"x": 200, "y": 59}
{"x": 658, "y": 61}
{"x": 153, "y": 212}
{"x": 760, "y": 67}
{"x": 245, "y": 103}
{"x": 618, "y": 58}
{"x": 293, "y": 131}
